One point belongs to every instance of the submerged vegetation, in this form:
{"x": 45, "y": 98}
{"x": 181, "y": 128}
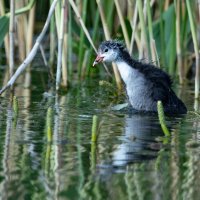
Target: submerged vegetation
{"x": 164, "y": 32}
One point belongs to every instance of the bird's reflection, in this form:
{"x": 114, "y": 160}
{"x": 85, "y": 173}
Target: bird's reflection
{"x": 139, "y": 139}
{"x": 138, "y": 142}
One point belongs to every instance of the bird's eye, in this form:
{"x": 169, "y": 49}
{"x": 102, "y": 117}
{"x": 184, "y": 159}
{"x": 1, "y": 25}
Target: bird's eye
{"x": 106, "y": 50}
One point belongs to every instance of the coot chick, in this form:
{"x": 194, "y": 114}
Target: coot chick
{"x": 145, "y": 83}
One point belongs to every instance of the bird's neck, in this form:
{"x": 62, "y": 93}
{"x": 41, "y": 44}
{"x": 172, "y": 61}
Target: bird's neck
{"x": 126, "y": 67}
{"x": 125, "y": 70}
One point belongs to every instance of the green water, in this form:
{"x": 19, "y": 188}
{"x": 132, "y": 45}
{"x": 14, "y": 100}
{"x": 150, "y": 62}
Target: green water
{"x": 53, "y": 157}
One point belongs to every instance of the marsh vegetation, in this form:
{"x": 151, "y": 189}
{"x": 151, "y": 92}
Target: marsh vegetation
{"x": 59, "y": 137}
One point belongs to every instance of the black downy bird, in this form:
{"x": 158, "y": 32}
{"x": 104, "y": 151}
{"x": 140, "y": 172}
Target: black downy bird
{"x": 145, "y": 83}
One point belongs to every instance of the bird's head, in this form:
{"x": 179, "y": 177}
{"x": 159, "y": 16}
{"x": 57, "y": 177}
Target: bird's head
{"x": 109, "y": 51}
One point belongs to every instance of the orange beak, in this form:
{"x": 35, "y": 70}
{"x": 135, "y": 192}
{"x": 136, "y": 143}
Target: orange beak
{"x": 98, "y": 59}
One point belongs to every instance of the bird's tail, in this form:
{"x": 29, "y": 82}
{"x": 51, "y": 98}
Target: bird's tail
{"x": 175, "y": 105}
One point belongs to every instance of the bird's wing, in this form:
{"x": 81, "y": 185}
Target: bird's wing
{"x": 159, "y": 82}
{"x": 161, "y": 90}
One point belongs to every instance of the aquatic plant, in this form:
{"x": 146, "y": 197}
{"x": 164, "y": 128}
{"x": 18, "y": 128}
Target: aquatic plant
{"x": 161, "y": 116}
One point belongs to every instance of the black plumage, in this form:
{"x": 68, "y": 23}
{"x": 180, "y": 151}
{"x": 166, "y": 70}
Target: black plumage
{"x": 156, "y": 81}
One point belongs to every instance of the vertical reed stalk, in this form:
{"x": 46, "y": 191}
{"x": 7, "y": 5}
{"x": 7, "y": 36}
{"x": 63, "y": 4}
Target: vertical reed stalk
{"x": 107, "y": 36}
{"x": 137, "y": 40}
{"x": 64, "y": 61}
{"x": 196, "y": 48}
{"x": 134, "y": 27}
{"x": 130, "y": 7}
{"x": 64, "y": 54}
{"x": 143, "y": 30}
{"x": 81, "y": 43}
{"x": 29, "y": 42}
{"x": 155, "y": 51}
{"x": 30, "y": 29}
{"x": 110, "y": 14}
{"x": 11, "y": 35}
{"x": 198, "y": 2}
{"x": 74, "y": 7}
{"x": 162, "y": 35}
{"x": 171, "y": 47}
{"x": 84, "y": 64}
{"x": 43, "y": 55}
{"x": 87, "y": 33}
{"x": 52, "y": 40}
{"x": 178, "y": 40}
{"x": 166, "y": 4}
{"x": 33, "y": 52}
{"x": 60, "y": 46}
{"x": 184, "y": 36}
{"x": 21, "y": 31}
{"x": 6, "y": 39}
{"x": 57, "y": 17}
{"x": 69, "y": 41}
{"x": 94, "y": 37}
{"x": 123, "y": 25}
{"x": 145, "y": 11}
{"x": 103, "y": 20}
{"x": 150, "y": 26}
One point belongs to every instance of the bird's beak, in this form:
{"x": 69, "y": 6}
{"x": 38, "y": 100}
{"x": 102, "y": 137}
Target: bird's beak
{"x": 98, "y": 59}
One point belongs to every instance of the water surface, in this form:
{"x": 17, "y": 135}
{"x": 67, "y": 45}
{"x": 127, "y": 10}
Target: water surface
{"x": 46, "y": 151}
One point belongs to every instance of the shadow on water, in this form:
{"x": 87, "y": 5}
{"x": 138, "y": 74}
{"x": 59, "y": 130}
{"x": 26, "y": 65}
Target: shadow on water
{"x": 46, "y": 151}
{"x": 138, "y": 142}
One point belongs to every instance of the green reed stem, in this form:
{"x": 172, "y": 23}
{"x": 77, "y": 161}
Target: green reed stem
{"x": 94, "y": 38}
{"x": 60, "y": 46}
{"x": 184, "y": 38}
{"x": 94, "y": 128}
{"x": 57, "y": 16}
{"x": 52, "y": 40}
{"x": 153, "y": 44}
{"x": 31, "y": 28}
{"x": 24, "y": 9}
{"x": 49, "y": 121}
{"x": 122, "y": 22}
{"x": 6, "y": 39}
{"x": 109, "y": 10}
{"x": 15, "y": 105}
{"x": 143, "y": 29}
{"x": 162, "y": 35}
{"x": 94, "y": 139}
{"x": 171, "y": 49}
{"x": 178, "y": 40}
{"x": 11, "y": 37}
{"x": 93, "y": 156}
{"x": 150, "y": 27}
{"x": 108, "y": 37}
{"x": 196, "y": 48}
{"x": 69, "y": 42}
{"x": 133, "y": 25}
{"x": 82, "y": 37}
{"x": 103, "y": 20}
{"x": 49, "y": 134}
{"x": 73, "y": 5}
{"x": 161, "y": 116}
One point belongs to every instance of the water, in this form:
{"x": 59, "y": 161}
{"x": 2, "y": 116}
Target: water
{"x": 46, "y": 151}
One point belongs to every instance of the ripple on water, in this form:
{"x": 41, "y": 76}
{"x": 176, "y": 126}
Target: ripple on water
{"x": 48, "y": 151}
